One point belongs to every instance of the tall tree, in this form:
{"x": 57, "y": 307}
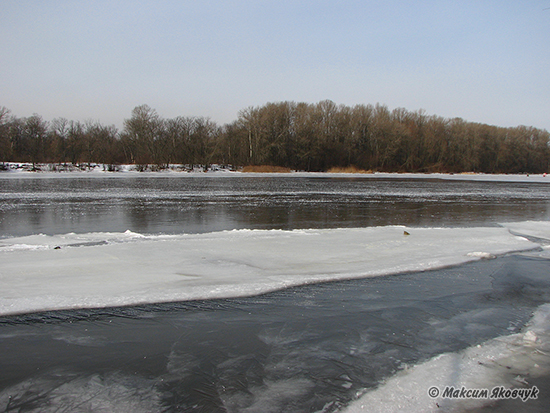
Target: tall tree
{"x": 6, "y": 152}
{"x": 143, "y": 136}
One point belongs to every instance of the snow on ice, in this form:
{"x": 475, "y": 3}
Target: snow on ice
{"x": 507, "y": 361}
{"x": 43, "y": 272}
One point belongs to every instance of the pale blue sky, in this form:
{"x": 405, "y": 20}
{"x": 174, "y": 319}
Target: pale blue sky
{"x": 482, "y": 60}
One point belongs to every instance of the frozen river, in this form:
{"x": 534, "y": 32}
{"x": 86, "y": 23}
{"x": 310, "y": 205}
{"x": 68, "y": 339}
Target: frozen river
{"x": 271, "y": 293}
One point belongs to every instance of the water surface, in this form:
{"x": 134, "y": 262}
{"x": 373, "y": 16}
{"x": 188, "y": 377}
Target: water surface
{"x": 188, "y": 203}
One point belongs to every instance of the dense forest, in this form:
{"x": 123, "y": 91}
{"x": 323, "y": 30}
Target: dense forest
{"x": 299, "y": 136}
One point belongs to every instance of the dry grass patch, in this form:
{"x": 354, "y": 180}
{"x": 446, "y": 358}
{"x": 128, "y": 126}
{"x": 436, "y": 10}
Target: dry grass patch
{"x": 265, "y": 169}
{"x": 348, "y": 170}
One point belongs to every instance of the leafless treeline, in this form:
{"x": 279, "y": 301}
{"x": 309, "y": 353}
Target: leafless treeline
{"x": 301, "y": 136}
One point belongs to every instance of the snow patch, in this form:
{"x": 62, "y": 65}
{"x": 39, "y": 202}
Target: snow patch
{"x": 537, "y": 229}
{"x": 479, "y": 254}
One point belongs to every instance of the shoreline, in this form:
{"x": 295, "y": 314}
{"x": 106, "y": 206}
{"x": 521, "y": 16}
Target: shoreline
{"x": 19, "y": 170}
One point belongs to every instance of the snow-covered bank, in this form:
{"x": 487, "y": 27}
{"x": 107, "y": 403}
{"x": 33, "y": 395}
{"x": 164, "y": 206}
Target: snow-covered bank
{"x": 26, "y": 169}
{"x": 507, "y": 361}
{"x": 19, "y": 170}
{"x": 112, "y": 269}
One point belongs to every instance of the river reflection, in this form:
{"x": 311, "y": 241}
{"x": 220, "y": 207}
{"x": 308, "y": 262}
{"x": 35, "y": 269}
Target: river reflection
{"x": 206, "y": 203}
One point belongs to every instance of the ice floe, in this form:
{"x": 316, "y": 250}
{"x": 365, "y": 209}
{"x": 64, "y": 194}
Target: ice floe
{"x": 42, "y": 272}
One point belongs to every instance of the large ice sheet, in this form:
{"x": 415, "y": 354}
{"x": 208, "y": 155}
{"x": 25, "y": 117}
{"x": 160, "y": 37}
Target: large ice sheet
{"x": 507, "y": 361}
{"x": 113, "y": 269}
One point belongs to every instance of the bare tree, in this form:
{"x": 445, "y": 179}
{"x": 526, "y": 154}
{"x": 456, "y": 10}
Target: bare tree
{"x": 5, "y": 145}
